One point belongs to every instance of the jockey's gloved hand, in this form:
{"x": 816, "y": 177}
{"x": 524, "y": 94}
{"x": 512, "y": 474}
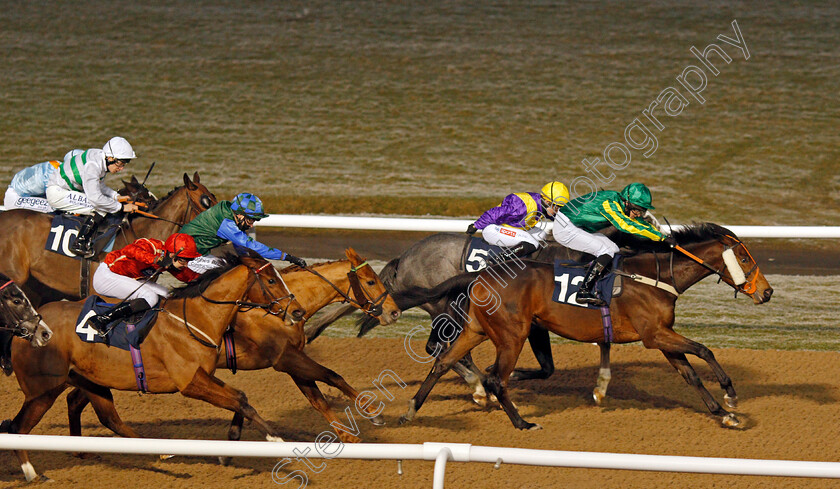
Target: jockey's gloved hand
{"x": 471, "y": 229}
{"x": 295, "y": 260}
{"x": 165, "y": 261}
{"x": 670, "y": 241}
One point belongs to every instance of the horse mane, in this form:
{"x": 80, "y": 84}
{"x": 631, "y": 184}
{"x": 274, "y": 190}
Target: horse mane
{"x": 196, "y": 287}
{"x": 696, "y": 232}
{"x": 164, "y": 198}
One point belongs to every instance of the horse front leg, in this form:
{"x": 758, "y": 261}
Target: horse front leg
{"x": 316, "y": 398}
{"x": 540, "y": 343}
{"x": 702, "y": 351}
{"x": 468, "y": 340}
{"x": 497, "y": 381}
{"x": 30, "y": 414}
{"x": 604, "y": 374}
{"x": 300, "y": 366}
{"x": 680, "y": 363}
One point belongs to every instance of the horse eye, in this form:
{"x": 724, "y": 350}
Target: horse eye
{"x": 271, "y": 281}
{"x": 371, "y": 282}
{"x": 205, "y": 201}
{"x": 743, "y": 260}
{"x": 17, "y": 302}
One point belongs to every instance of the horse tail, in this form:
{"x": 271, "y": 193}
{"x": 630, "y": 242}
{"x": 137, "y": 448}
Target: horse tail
{"x": 449, "y": 290}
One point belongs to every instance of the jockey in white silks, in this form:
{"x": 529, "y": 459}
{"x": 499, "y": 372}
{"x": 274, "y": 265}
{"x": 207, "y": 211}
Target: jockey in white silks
{"x": 516, "y": 223}
{"x": 28, "y": 189}
{"x": 78, "y": 187}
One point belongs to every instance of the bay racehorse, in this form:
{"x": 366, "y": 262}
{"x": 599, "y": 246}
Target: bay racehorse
{"x": 180, "y": 353}
{"x": 641, "y": 313}
{"x": 18, "y": 317}
{"x": 265, "y": 341}
{"x": 48, "y": 276}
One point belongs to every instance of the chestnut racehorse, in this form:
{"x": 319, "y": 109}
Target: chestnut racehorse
{"x": 180, "y": 352}
{"x": 641, "y": 313}
{"x": 48, "y": 276}
{"x": 268, "y": 342}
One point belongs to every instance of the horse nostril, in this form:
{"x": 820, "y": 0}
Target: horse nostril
{"x": 297, "y": 314}
{"x": 395, "y": 314}
{"x": 767, "y": 294}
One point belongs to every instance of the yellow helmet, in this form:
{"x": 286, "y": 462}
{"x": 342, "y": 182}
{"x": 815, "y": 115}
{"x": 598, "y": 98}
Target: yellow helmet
{"x": 555, "y": 193}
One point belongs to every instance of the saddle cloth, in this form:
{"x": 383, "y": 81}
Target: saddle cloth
{"x": 478, "y": 254}
{"x": 65, "y": 228}
{"x": 118, "y": 337}
{"x": 568, "y": 276}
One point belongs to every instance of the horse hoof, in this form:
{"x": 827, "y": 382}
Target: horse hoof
{"x": 43, "y": 478}
{"x": 730, "y": 421}
{"x": 533, "y": 427}
{"x": 348, "y": 438}
{"x": 598, "y": 397}
{"x": 378, "y": 420}
{"x": 404, "y": 419}
{"x": 731, "y": 402}
{"x": 480, "y": 400}
{"x": 273, "y": 438}
{"x": 225, "y": 461}
{"x": 167, "y": 457}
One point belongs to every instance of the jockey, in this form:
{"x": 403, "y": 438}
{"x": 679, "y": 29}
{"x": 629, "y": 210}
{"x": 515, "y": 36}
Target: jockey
{"x": 576, "y": 223}
{"x": 28, "y": 189}
{"x": 513, "y": 223}
{"x": 117, "y": 275}
{"x": 229, "y": 221}
{"x": 78, "y": 187}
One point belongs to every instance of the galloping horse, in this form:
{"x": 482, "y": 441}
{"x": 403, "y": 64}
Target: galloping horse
{"x": 268, "y": 342}
{"x": 642, "y": 312}
{"x": 180, "y": 352}
{"x": 49, "y": 276}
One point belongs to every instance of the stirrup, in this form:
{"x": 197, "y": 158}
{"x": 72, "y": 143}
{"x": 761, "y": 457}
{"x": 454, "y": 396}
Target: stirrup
{"x": 590, "y": 298}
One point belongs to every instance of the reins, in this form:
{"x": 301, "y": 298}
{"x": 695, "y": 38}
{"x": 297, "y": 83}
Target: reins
{"x": 372, "y": 306}
{"x": 16, "y": 327}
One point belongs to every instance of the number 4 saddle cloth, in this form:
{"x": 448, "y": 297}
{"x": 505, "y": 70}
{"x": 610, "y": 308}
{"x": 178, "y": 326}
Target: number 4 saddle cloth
{"x": 568, "y": 276}
{"x": 129, "y": 332}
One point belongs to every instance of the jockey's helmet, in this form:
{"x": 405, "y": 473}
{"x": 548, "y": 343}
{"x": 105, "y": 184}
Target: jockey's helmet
{"x": 637, "y": 194}
{"x": 119, "y": 148}
{"x": 248, "y": 205}
{"x": 183, "y": 242}
{"x": 555, "y": 193}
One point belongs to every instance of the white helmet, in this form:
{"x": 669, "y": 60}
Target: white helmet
{"x": 70, "y": 154}
{"x": 119, "y": 148}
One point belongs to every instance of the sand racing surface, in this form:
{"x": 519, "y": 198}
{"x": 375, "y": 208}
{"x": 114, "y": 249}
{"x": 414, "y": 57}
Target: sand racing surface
{"x": 789, "y": 407}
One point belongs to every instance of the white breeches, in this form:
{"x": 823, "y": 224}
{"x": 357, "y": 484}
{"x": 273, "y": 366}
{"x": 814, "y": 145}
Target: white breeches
{"x": 12, "y": 200}
{"x": 571, "y": 236}
{"x": 508, "y": 237}
{"x": 68, "y": 201}
{"x": 110, "y": 284}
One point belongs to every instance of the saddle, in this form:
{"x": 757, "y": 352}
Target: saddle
{"x": 568, "y": 276}
{"x": 128, "y": 332}
{"x": 65, "y": 228}
{"x": 478, "y": 254}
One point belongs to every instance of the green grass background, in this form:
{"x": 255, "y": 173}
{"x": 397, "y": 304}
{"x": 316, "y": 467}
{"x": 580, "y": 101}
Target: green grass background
{"x": 432, "y": 107}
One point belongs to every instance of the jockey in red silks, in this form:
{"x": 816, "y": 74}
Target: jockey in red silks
{"x": 117, "y": 276}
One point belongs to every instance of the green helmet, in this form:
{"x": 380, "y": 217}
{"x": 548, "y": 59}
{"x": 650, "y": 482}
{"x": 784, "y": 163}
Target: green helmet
{"x": 637, "y": 194}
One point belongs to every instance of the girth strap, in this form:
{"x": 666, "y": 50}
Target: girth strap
{"x": 649, "y": 281}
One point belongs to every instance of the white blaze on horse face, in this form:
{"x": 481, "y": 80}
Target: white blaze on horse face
{"x": 734, "y": 268}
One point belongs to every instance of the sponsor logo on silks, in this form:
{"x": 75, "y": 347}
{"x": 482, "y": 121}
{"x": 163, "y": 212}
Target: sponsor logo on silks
{"x": 78, "y": 199}
{"x": 508, "y": 232}
{"x": 30, "y": 202}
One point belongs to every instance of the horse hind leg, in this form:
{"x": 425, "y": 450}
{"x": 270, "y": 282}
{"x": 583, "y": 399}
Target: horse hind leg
{"x": 316, "y": 398}
{"x": 680, "y": 363}
{"x": 541, "y": 346}
{"x": 210, "y": 389}
{"x": 604, "y": 374}
{"x": 27, "y": 418}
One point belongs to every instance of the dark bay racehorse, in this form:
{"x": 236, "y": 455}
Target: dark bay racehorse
{"x": 265, "y": 341}
{"x": 180, "y": 353}
{"x": 47, "y": 276}
{"x": 642, "y": 313}
{"x": 17, "y": 316}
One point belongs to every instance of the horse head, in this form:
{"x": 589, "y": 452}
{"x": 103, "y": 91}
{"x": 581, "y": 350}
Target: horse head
{"x": 727, "y": 256}
{"x": 369, "y": 292}
{"x": 269, "y": 290}
{"x": 182, "y": 204}
{"x": 19, "y": 316}
{"x": 137, "y": 192}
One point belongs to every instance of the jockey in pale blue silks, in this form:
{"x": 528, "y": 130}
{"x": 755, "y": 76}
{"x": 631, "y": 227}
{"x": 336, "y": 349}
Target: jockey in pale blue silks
{"x": 28, "y": 189}
{"x": 515, "y": 223}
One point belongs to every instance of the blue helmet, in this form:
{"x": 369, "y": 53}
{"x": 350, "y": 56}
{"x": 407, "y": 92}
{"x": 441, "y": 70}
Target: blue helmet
{"x": 248, "y": 205}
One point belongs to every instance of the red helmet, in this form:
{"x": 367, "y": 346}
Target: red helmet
{"x": 183, "y": 242}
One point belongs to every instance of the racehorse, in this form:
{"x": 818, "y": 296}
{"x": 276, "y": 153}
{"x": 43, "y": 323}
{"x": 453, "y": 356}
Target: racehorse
{"x": 429, "y": 262}
{"x": 641, "y": 312}
{"x": 268, "y": 342}
{"x": 18, "y": 318}
{"x": 47, "y": 276}
{"x": 180, "y": 352}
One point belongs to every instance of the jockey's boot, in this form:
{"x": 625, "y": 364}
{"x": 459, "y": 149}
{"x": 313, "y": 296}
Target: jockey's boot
{"x": 83, "y": 244}
{"x": 588, "y": 293}
{"x": 521, "y": 250}
{"x": 100, "y": 322}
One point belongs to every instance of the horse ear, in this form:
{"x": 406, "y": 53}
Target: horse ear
{"x": 196, "y": 178}
{"x": 134, "y": 180}
{"x": 352, "y": 255}
{"x": 188, "y": 183}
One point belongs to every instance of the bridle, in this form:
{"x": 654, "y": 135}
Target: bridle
{"x": 17, "y": 327}
{"x": 747, "y": 288}
{"x": 372, "y": 306}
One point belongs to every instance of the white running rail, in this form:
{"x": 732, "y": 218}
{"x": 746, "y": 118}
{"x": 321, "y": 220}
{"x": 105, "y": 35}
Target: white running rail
{"x": 439, "y": 452}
